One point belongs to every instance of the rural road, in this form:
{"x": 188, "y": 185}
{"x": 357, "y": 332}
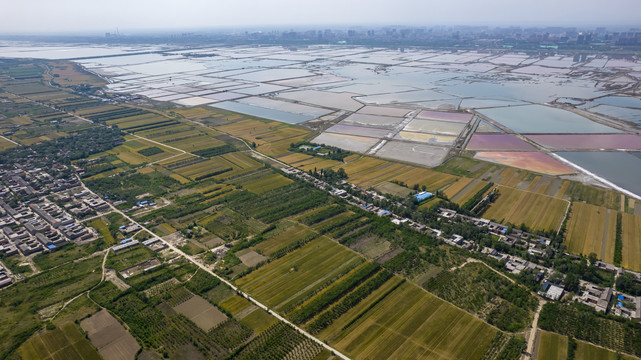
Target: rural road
{"x": 236, "y": 289}
{"x": 102, "y": 279}
{"x": 535, "y": 327}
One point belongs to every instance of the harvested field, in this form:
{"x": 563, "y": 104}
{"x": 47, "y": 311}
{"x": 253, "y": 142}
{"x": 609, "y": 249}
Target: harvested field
{"x": 201, "y": 312}
{"x": 294, "y": 158}
{"x": 591, "y": 229}
{"x": 456, "y": 187}
{"x": 539, "y": 212}
{"x": 631, "y": 242}
{"x": 364, "y": 163}
{"x": 469, "y": 191}
{"x": 379, "y": 174}
{"x": 110, "y": 337}
{"x": 393, "y": 189}
{"x": 433, "y": 180}
{"x": 251, "y": 258}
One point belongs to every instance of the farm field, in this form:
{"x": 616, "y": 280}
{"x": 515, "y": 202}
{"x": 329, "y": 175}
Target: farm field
{"x": 552, "y": 346}
{"x": 264, "y": 182}
{"x": 631, "y": 242}
{"x": 271, "y": 137}
{"x": 298, "y": 272}
{"x": 65, "y": 342}
{"x": 103, "y": 229}
{"x": 287, "y": 237}
{"x": 468, "y": 191}
{"x": 6, "y": 144}
{"x": 587, "y": 351}
{"x": 393, "y": 189}
{"x": 518, "y": 207}
{"x": 456, "y": 187}
{"x": 109, "y": 336}
{"x": 369, "y": 172}
{"x": 411, "y": 323}
{"x": 201, "y": 312}
{"x": 591, "y": 229}
{"x": 433, "y": 180}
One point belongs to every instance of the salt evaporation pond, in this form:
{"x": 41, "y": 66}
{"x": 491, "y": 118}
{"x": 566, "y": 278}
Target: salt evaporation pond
{"x": 358, "y": 130}
{"x": 589, "y": 142}
{"x": 624, "y": 101}
{"x": 539, "y": 119}
{"x": 502, "y": 142}
{"x": 446, "y": 116}
{"x": 347, "y": 142}
{"x": 618, "y": 167}
{"x": 435, "y": 126}
{"x": 531, "y": 161}
{"x": 264, "y": 113}
{"x": 626, "y": 114}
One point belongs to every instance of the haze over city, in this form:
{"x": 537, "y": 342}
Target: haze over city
{"x": 40, "y": 16}
{"x": 320, "y": 180}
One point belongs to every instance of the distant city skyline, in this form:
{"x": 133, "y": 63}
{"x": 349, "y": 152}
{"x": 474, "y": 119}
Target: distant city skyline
{"x": 78, "y": 16}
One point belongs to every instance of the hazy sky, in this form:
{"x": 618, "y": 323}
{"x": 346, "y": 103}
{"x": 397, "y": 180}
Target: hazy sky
{"x": 38, "y": 16}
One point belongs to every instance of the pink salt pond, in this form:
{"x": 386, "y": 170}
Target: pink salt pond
{"x": 588, "y": 142}
{"x": 531, "y": 161}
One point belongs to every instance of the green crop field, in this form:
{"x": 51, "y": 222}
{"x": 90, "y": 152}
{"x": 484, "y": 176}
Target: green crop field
{"x": 299, "y": 273}
{"x": 539, "y": 212}
{"x": 587, "y": 351}
{"x": 591, "y": 229}
{"x": 66, "y": 342}
{"x": 552, "y": 346}
{"x": 103, "y": 229}
{"x": 410, "y": 323}
{"x": 287, "y": 237}
{"x": 265, "y": 183}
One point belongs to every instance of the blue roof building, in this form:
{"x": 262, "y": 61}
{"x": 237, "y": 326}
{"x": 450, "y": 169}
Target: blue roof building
{"x": 423, "y": 195}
